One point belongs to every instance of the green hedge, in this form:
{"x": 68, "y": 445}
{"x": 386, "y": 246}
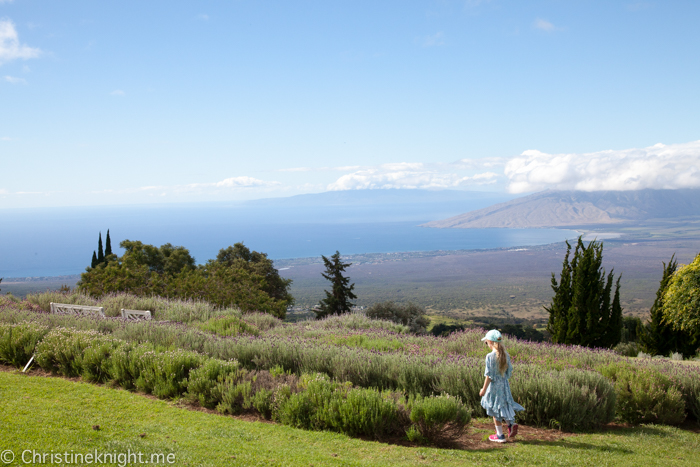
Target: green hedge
{"x": 314, "y": 402}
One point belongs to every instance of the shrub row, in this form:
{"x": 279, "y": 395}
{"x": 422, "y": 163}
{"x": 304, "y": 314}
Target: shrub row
{"x": 310, "y": 402}
{"x": 416, "y": 375}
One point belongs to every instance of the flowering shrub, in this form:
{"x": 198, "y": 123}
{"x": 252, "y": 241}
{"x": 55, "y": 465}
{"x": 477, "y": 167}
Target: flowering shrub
{"x": 569, "y": 399}
{"x": 17, "y": 342}
{"x": 439, "y": 419}
{"x": 644, "y": 395}
{"x": 61, "y": 350}
{"x": 203, "y": 383}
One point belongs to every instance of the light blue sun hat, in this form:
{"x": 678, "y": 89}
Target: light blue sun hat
{"x": 493, "y": 335}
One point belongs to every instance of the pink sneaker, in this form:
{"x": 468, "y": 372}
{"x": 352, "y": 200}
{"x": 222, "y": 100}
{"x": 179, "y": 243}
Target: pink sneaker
{"x": 512, "y": 430}
{"x": 497, "y": 439}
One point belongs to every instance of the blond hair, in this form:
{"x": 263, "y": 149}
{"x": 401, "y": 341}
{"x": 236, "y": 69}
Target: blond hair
{"x": 502, "y": 357}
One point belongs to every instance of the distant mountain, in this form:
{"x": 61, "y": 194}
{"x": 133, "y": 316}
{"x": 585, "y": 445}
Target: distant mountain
{"x": 383, "y": 197}
{"x": 578, "y": 208}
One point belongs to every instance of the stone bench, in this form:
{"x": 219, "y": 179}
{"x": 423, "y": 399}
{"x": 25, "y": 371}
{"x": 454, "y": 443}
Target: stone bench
{"x": 136, "y": 315}
{"x": 80, "y": 310}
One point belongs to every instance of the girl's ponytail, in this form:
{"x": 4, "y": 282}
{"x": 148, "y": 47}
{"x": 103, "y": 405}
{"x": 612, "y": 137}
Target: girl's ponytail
{"x": 502, "y": 358}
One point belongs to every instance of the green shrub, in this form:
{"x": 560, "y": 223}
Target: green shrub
{"x": 164, "y": 374}
{"x": 689, "y": 385}
{"x": 18, "y": 341}
{"x": 261, "y": 321}
{"x": 96, "y": 361}
{"x": 440, "y": 419}
{"x": 645, "y": 395}
{"x": 246, "y": 390}
{"x": 409, "y": 314}
{"x": 326, "y": 405}
{"x": 568, "y": 399}
{"x": 61, "y": 350}
{"x": 626, "y": 349}
{"x": 125, "y": 364}
{"x": 227, "y": 326}
{"x": 203, "y": 383}
{"x": 263, "y": 402}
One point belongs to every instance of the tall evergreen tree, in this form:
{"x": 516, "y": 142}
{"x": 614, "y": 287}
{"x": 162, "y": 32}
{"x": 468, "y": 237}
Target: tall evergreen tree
{"x": 658, "y": 337}
{"x": 338, "y": 300}
{"x": 581, "y": 311}
{"x": 94, "y": 259}
{"x": 558, "y": 324}
{"x": 108, "y": 245}
{"x": 100, "y": 252}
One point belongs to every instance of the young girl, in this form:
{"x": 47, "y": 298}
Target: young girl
{"x": 495, "y": 395}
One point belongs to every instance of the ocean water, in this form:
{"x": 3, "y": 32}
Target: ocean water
{"x": 52, "y": 242}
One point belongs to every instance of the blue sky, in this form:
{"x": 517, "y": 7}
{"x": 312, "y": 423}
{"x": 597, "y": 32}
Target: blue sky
{"x": 156, "y": 102}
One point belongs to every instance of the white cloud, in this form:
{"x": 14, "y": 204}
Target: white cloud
{"x": 659, "y": 166}
{"x": 544, "y": 25}
{"x": 240, "y": 182}
{"x": 5, "y": 138}
{"x": 409, "y": 175}
{"x": 6, "y": 1}
{"x": 117, "y": 92}
{"x": 434, "y": 40}
{"x": 203, "y": 17}
{"x": 10, "y": 47}
{"x": 15, "y": 80}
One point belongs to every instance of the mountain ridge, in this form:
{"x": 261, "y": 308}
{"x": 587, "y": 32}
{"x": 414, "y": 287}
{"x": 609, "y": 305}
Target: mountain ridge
{"x": 579, "y": 208}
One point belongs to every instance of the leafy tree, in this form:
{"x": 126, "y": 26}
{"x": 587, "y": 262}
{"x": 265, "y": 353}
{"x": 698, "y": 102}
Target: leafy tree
{"x": 167, "y": 259}
{"x": 410, "y": 315}
{"x": 171, "y": 271}
{"x": 337, "y": 301}
{"x": 681, "y": 307}
{"x": 108, "y": 245}
{"x": 100, "y": 252}
{"x": 658, "y": 337}
{"x": 582, "y": 311}
{"x": 94, "y": 259}
{"x": 239, "y": 256}
{"x": 226, "y": 286}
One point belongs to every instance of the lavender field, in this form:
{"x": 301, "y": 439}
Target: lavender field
{"x": 569, "y": 387}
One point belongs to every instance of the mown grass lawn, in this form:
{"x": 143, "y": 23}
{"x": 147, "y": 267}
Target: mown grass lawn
{"x": 57, "y": 415}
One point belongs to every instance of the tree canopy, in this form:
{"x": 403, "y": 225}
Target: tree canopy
{"x": 681, "y": 307}
{"x": 248, "y": 281}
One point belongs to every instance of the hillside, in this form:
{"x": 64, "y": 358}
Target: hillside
{"x": 579, "y": 208}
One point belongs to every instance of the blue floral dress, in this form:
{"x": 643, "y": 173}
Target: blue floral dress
{"x": 498, "y": 401}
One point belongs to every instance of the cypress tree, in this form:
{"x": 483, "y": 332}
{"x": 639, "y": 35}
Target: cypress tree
{"x": 581, "y": 311}
{"x": 558, "y": 311}
{"x": 657, "y": 337}
{"x": 100, "y": 252}
{"x": 338, "y": 300}
{"x": 94, "y": 259}
{"x": 108, "y": 245}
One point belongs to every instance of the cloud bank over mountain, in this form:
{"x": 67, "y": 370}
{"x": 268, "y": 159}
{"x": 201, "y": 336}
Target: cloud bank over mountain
{"x": 660, "y": 166}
